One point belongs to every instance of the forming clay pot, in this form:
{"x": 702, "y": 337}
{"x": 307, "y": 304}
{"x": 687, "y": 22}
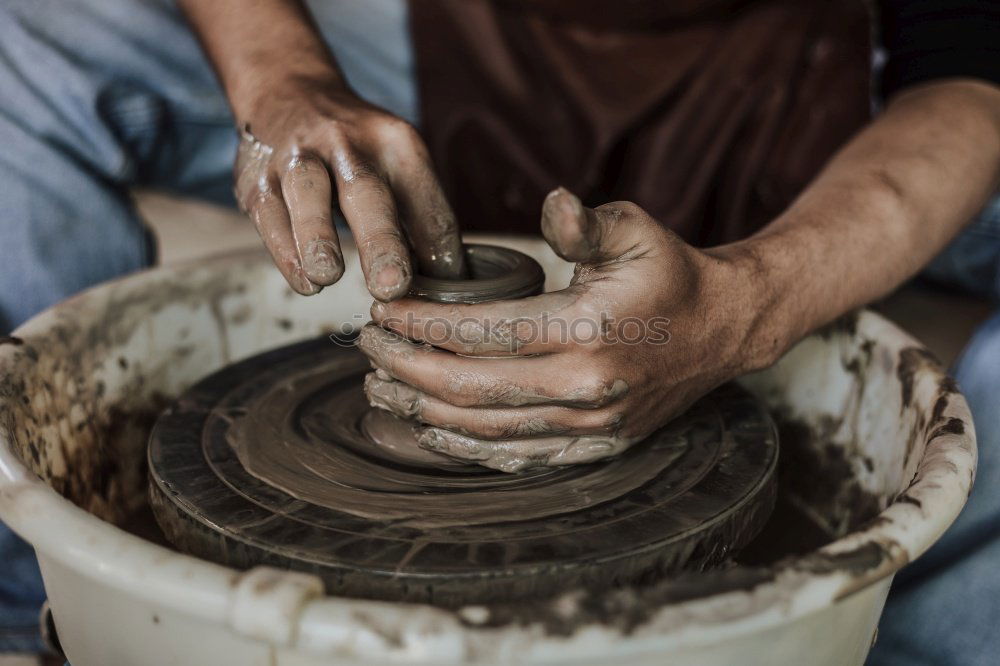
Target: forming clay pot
{"x": 495, "y": 272}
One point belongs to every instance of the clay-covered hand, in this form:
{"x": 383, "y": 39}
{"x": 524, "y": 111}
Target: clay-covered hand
{"x": 308, "y": 146}
{"x": 647, "y": 325}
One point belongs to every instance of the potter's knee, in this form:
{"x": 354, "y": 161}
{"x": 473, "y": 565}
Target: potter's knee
{"x": 978, "y": 367}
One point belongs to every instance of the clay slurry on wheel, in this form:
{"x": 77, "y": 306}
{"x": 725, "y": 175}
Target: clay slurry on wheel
{"x": 371, "y": 526}
{"x": 269, "y": 461}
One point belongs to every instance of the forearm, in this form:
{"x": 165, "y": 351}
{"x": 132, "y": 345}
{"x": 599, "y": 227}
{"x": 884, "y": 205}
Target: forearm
{"x": 889, "y": 201}
{"x": 261, "y": 49}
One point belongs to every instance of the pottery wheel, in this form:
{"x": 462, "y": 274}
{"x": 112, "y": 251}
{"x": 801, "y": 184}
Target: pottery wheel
{"x": 374, "y": 525}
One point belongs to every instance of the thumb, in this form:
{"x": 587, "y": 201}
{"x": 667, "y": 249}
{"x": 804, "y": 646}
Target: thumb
{"x": 585, "y": 235}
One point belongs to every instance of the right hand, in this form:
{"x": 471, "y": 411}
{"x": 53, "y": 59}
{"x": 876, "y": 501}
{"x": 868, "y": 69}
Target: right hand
{"x": 304, "y": 145}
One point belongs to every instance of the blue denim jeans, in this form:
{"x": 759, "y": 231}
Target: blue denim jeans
{"x": 945, "y": 607}
{"x": 98, "y": 97}
{"x": 101, "y": 96}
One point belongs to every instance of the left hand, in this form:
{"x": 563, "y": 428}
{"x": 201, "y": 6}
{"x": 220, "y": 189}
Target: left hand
{"x": 327, "y": 146}
{"x": 647, "y": 326}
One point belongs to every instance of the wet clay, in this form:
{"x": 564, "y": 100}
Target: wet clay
{"x": 268, "y": 462}
{"x": 303, "y": 435}
{"x": 494, "y": 273}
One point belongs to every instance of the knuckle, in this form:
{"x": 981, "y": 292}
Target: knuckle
{"x": 501, "y": 428}
{"x": 623, "y": 209}
{"x": 303, "y": 165}
{"x": 458, "y": 391}
{"x": 382, "y": 240}
{"x": 602, "y": 421}
{"x": 308, "y": 224}
{"x": 480, "y": 430}
{"x": 502, "y": 393}
{"x": 461, "y": 398}
{"x": 363, "y": 171}
{"x": 244, "y": 195}
{"x": 250, "y": 185}
{"x": 593, "y": 389}
{"x": 610, "y": 421}
{"x": 262, "y": 204}
{"x": 339, "y": 137}
{"x": 399, "y": 132}
{"x": 351, "y": 165}
{"x": 384, "y": 234}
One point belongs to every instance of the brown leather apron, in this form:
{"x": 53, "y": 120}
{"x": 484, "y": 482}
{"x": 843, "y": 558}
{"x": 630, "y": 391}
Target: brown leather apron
{"x": 711, "y": 114}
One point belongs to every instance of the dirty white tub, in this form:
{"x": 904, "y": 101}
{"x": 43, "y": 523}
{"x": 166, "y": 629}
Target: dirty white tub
{"x": 878, "y": 450}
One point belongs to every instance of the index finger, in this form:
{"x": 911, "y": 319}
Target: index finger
{"x": 426, "y": 214}
{"x": 305, "y": 185}
{"x": 370, "y": 211}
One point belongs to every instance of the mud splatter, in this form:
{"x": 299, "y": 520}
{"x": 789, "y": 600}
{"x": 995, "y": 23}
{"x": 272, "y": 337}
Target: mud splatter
{"x": 83, "y": 438}
{"x": 629, "y": 608}
{"x": 911, "y": 361}
{"x": 817, "y": 473}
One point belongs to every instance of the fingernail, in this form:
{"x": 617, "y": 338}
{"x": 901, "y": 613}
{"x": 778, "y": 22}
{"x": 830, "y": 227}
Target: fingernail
{"x": 302, "y": 284}
{"x": 565, "y": 200}
{"x": 322, "y": 262}
{"x": 562, "y": 214}
{"x": 390, "y": 278}
{"x": 395, "y": 397}
{"x": 368, "y": 335}
{"x": 378, "y": 311}
{"x": 377, "y": 344}
{"x": 561, "y": 193}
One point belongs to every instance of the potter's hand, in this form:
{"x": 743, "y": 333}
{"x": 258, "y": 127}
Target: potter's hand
{"x": 308, "y": 144}
{"x": 647, "y": 325}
